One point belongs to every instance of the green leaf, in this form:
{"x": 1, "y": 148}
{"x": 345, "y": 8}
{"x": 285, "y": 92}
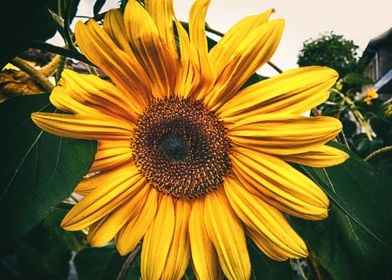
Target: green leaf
{"x": 21, "y": 21}
{"x": 355, "y": 242}
{"x": 267, "y": 269}
{"x": 39, "y": 170}
{"x": 98, "y": 6}
{"x": 99, "y": 263}
{"x": 44, "y": 252}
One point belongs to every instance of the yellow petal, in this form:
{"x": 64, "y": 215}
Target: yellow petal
{"x": 178, "y": 257}
{"x": 117, "y": 187}
{"x": 111, "y": 154}
{"x": 156, "y": 58}
{"x": 198, "y": 39}
{"x": 227, "y": 235}
{"x": 255, "y": 50}
{"x": 279, "y": 184}
{"x": 284, "y": 134}
{"x": 82, "y": 127}
{"x": 204, "y": 258}
{"x": 221, "y": 53}
{"x": 95, "y": 94}
{"x": 123, "y": 69}
{"x": 113, "y": 24}
{"x": 107, "y": 228}
{"x": 162, "y": 13}
{"x": 197, "y": 31}
{"x": 130, "y": 235}
{"x": 263, "y": 244}
{"x": 157, "y": 240}
{"x": 292, "y": 92}
{"x": 323, "y": 156}
{"x": 188, "y": 79}
{"x": 265, "y": 222}
{"x": 63, "y": 100}
{"x": 89, "y": 183}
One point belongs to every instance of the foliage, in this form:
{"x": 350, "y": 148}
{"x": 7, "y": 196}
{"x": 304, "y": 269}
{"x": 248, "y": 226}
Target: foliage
{"x": 39, "y": 171}
{"x": 331, "y": 50}
{"x": 367, "y": 123}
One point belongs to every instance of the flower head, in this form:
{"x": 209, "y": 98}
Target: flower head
{"x": 188, "y": 160}
{"x": 371, "y": 94}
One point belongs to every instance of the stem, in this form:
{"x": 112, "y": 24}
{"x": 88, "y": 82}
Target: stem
{"x": 58, "y": 50}
{"x": 378, "y": 152}
{"x": 343, "y": 136}
{"x": 51, "y": 67}
{"x": 212, "y": 30}
{"x": 128, "y": 262}
{"x": 220, "y": 34}
{"x": 60, "y": 68}
{"x": 358, "y": 115}
{"x": 314, "y": 266}
{"x": 276, "y": 68}
{"x": 37, "y": 76}
{"x": 67, "y": 20}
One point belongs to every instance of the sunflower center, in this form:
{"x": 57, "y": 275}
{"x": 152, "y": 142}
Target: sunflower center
{"x": 181, "y": 148}
{"x": 173, "y": 146}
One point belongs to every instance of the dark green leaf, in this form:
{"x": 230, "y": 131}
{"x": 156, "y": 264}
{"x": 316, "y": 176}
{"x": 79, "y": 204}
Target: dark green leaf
{"x": 382, "y": 161}
{"x": 349, "y": 127}
{"x": 72, "y": 240}
{"x": 99, "y": 263}
{"x": 71, "y": 8}
{"x": 98, "y": 6}
{"x": 23, "y": 20}
{"x": 267, "y": 269}
{"x": 355, "y": 242}
{"x": 39, "y": 170}
{"x": 43, "y": 253}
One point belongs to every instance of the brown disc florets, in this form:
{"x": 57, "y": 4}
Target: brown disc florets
{"x": 181, "y": 148}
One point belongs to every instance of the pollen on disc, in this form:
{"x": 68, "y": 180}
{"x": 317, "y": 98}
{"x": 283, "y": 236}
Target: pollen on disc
{"x": 181, "y": 148}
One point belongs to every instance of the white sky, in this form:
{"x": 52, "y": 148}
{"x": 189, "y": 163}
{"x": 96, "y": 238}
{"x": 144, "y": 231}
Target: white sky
{"x": 356, "y": 20}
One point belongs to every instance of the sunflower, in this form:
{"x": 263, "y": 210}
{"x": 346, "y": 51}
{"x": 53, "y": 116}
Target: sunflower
{"x": 371, "y": 94}
{"x": 189, "y": 160}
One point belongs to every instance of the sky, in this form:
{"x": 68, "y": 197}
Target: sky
{"x": 356, "y": 20}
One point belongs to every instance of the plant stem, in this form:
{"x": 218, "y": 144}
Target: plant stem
{"x": 128, "y": 262}
{"x": 378, "y": 152}
{"x": 40, "y": 78}
{"x": 358, "y": 115}
{"x": 58, "y": 50}
{"x": 344, "y": 139}
{"x": 276, "y": 68}
{"x": 51, "y": 67}
{"x": 314, "y": 266}
{"x": 60, "y": 68}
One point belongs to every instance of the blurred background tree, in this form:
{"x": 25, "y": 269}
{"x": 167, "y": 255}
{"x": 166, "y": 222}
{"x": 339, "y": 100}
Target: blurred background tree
{"x": 331, "y": 50}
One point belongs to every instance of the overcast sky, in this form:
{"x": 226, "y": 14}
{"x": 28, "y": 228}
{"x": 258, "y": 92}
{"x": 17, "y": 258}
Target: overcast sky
{"x": 356, "y": 20}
